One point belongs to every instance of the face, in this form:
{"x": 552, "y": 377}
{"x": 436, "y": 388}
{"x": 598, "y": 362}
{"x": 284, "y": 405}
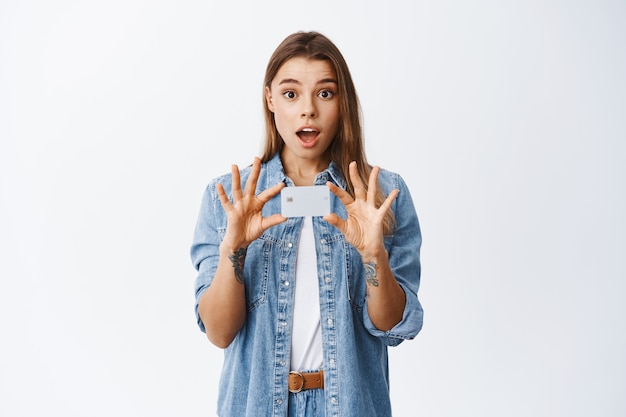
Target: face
{"x": 303, "y": 97}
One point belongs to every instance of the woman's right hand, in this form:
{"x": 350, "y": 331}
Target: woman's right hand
{"x": 245, "y": 220}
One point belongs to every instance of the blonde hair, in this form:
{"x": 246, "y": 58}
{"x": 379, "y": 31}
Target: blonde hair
{"x": 347, "y": 146}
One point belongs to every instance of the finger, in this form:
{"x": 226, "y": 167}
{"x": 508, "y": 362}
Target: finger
{"x": 272, "y": 220}
{"x": 234, "y": 170}
{"x": 267, "y": 195}
{"x": 389, "y": 201}
{"x": 341, "y": 194}
{"x": 336, "y": 221}
{"x": 254, "y": 176}
{"x": 357, "y": 184}
{"x": 226, "y": 204}
{"x": 373, "y": 185}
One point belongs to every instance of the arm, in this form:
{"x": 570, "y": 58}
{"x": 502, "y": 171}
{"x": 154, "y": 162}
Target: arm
{"x": 386, "y": 299}
{"x": 222, "y": 307}
{"x": 364, "y": 230}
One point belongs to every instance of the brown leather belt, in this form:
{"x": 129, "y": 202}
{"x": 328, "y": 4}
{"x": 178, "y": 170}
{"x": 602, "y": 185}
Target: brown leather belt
{"x": 300, "y": 381}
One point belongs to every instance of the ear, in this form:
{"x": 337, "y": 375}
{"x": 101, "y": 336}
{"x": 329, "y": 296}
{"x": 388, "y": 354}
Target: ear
{"x": 268, "y": 99}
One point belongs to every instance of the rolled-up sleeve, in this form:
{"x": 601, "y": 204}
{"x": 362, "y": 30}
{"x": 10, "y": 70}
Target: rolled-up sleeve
{"x": 205, "y": 246}
{"x": 403, "y": 248}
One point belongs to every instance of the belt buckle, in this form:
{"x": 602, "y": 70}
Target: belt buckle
{"x": 301, "y": 387}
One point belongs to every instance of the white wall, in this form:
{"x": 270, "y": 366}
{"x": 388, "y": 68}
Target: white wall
{"x": 506, "y": 118}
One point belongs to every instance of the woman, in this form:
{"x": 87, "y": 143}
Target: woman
{"x": 305, "y": 307}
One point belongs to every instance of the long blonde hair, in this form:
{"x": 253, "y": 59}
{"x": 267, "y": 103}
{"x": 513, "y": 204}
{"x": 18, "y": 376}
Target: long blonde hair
{"x": 347, "y": 146}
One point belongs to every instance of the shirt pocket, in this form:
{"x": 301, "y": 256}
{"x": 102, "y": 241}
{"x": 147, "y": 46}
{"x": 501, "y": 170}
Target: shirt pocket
{"x": 355, "y": 274}
{"x": 256, "y": 273}
{"x": 355, "y": 277}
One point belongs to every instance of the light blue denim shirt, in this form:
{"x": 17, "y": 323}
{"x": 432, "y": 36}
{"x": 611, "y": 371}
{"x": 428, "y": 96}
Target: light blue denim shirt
{"x": 256, "y": 364}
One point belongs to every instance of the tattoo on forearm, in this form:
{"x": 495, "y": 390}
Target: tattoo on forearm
{"x": 371, "y": 275}
{"x": 237, "y": 259}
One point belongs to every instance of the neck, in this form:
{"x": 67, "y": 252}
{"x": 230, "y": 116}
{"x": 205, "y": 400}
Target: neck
{"x": 303, "y": 171}
{"x": 301, "y": 176}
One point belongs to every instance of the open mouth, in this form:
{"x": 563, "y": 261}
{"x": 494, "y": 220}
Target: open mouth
{"x": 307, "y": 134}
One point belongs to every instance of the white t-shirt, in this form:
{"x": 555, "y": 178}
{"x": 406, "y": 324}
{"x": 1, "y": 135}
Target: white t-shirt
{"x": 306, "y": 342}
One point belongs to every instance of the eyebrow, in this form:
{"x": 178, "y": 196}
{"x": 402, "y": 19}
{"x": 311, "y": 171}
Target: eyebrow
{"x": 294, "y": 81}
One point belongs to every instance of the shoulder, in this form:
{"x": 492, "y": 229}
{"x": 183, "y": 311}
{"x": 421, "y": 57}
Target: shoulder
{"x": 271, "y": 172}
{"x": 226, "y": 180}
{"x": 389, "y": 180}
{"x": 403, "y": 205}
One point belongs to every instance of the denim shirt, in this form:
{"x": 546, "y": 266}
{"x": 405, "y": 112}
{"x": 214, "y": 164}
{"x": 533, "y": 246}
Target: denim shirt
{"x": 256, "y": 364}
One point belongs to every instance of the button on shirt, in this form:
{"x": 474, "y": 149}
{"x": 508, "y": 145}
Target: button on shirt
{"x": 256, "y": 364}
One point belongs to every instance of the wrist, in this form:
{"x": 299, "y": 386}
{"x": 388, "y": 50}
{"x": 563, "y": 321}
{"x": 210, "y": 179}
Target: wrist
{"x": 229, "y": 247}
{"x": 237, "y": 259}
{"x": 374, "y": 256}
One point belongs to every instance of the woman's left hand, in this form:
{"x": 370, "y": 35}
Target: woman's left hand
{"x": 364, "y": 226}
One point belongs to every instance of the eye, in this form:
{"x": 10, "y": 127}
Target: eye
{"x": 326, "y": 94}
{"x": 289, "y": 94}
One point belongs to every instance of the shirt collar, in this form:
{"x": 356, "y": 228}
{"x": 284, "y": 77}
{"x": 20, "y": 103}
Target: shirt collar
{"x": 276, "y": 174}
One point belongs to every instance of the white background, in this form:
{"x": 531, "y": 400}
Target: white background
{"x": 506, "y": 119}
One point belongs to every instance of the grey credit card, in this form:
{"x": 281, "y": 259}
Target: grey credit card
{"x": 305, "y": 201}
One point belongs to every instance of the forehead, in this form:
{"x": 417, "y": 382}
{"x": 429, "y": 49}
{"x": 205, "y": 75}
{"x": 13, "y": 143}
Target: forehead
{"x": 304, "y": 69}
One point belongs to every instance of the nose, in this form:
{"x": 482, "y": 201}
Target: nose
{"x": 308, "y": 108}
